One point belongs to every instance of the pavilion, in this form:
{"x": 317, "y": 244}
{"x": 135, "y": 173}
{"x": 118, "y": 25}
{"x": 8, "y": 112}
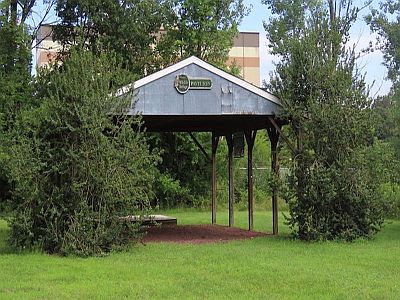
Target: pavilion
{"x": 195, "y": 96}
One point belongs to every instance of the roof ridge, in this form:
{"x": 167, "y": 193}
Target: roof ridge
{"x": 205, "y": 65}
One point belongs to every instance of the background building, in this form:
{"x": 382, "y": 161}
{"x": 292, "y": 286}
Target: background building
{"x": 46, "y": 49}
{"x": 245, "y": 52}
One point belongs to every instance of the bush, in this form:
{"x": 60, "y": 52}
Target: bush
{"x": 76, "y": 169}
{"x": 184, "y": 172}
{"x": 384, "y": 167}
{"x": 389, "y": 194}
{"x": 340, "y": 202}
{"x": 170, "y": 193}
{"x": 332, "y": 194}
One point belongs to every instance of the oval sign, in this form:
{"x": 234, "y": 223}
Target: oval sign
{"x": 182, "y": 83}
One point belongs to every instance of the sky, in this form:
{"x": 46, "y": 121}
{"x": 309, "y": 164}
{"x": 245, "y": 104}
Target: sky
{"x": 370, "y": 64}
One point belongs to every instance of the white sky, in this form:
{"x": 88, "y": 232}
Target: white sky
{"x": 371, "y": 63}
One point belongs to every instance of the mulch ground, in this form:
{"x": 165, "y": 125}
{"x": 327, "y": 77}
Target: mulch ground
{"x": 197, "y": 234}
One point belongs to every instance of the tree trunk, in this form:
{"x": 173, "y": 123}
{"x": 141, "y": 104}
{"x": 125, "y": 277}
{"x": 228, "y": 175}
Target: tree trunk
{"x": 14, "y": 11}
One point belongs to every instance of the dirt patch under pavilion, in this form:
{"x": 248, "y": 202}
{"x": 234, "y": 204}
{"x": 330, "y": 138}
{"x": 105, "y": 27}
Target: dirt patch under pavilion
{"x": 197, "y": 234}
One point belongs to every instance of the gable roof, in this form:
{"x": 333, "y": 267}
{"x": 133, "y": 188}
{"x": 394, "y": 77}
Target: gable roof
{"x": 196, "y": 61}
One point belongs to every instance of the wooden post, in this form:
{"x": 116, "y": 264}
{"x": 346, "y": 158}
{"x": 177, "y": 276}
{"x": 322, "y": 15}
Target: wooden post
{"x": 229, "y": 140}
{"x": 273, "y": 134}
{"x": 275, "y": 172}
{"x": 214, "y": 146}
{"x": 250, "y": 138}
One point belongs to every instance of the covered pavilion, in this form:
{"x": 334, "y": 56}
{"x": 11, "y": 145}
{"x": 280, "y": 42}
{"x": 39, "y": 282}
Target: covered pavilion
{"x": 194, "y": 96}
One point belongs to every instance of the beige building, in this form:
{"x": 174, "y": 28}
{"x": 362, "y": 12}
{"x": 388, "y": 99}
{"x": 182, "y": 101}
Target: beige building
{"x": 245, "y": 52}
{"x": 46, "y": 49}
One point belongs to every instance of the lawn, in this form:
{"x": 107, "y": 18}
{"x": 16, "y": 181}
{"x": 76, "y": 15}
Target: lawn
{"x": 272, "y": 267}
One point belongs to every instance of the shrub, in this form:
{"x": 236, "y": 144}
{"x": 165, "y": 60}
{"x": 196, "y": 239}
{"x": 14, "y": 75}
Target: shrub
{"x": 170, "y": 193}
{"x": 76, "y": 169}
{"x": 390, "y": 196}
{"x": 340, "y": 202}
{"x": 332, "y": 193}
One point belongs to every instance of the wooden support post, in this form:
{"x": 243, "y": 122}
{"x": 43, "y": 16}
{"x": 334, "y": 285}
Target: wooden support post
{"x": 275, "y": 172}
{"x": 250, "y": 138}
{"x": 214, "y": 146}
{"x": 229, "y": 140}
{"x": 273, "y": 134}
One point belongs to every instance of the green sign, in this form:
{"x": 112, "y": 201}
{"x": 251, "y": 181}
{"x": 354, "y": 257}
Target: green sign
{"x": 200, "y": 83}
{"x": 183, "y": 83}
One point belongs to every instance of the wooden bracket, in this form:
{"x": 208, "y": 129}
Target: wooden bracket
{"x": 279, "y": 130}
{"x": 200, "y": 146}
{"x": 250, "y": 137}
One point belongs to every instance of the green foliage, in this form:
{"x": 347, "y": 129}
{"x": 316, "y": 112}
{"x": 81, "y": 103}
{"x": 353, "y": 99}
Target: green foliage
{"x": 391, "y": 118}
{"x": 331, "y": 192}
{"x": 129, "y": 29}
{"x": 205, "y": 29}
{"x": 261, "y": 174}
{"x": 146, "y": 36}
{"x": 386, "y": 23}
{"x": 339, "y": 202}
{"x": 184, "y": 174}
{"x": 390, "y": 196}
{"x": 76, "y": 169}
{"x": 15, "y": 89}
{"x": 170, "y": 192}
{"x": 15, "y": 69}
{"x": 384, "y": 166}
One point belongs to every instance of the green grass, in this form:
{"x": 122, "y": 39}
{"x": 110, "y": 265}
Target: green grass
{"x": 262, "y": 220}
{"x": 273, "y": 268}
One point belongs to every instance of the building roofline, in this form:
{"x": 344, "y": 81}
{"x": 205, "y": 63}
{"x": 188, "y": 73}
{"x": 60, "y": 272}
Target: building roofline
{"x": 249, "y": 31}
{"x": 197, "y": 61}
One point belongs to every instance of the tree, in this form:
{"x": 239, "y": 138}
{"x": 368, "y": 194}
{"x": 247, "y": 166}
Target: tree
{"x": 388, "y": 34}
{"x": 78, "y": 165}
{"x": 127, "y": 28}
{"x": 17, "y": 33}
{"x": 146, "y": 36}
{"x": 386, "y": 23}
{"x": 184, "y": 176}
{"x": 331, "y": 193}
{"x": 15, "y": 88}
{"x": 205, "y": 29}
{"x": 149, "y": 35}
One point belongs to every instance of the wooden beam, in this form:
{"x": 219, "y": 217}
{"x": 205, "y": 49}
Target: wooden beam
{"x": 229, "y": 140}
{"x": 200, "y": 146}
{"x": 279, "y": 130}
{"x": 250, "y": 138}
{"x": 274, "y": 138}
{"x": 214, "y": 146}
